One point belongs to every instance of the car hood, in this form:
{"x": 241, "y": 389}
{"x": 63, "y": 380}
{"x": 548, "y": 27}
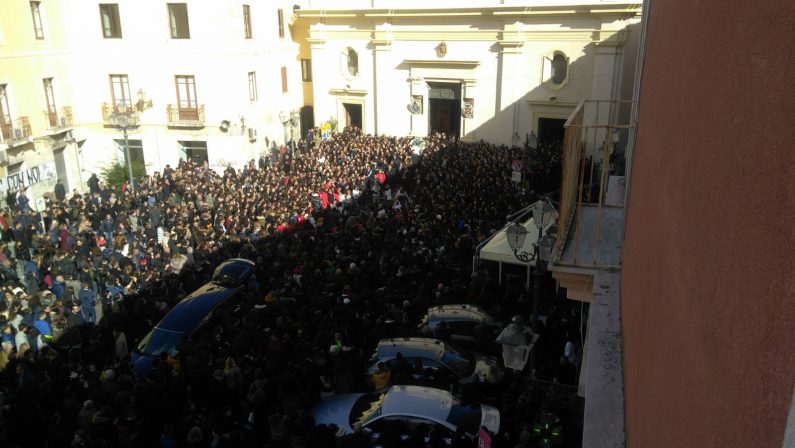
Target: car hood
{"x": 337, "y": 410}
{"x": 490, "y": 418}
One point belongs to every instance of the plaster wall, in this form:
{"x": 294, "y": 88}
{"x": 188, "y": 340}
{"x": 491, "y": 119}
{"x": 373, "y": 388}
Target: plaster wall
{"x": 707, "y": 284}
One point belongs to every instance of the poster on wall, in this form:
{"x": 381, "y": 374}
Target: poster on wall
{"x": 469, "y": 108}
{"x": 29, "y": 176}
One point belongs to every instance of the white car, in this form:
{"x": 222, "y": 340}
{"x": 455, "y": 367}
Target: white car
{"x": 433, "y": 355}
{"x": 406, "y": 407}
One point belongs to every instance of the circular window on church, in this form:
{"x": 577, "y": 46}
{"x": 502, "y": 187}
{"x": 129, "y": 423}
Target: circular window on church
{"x": 556, "y": 69}
{"x": 560, "y": 68}
{"x": 351, "y": 62}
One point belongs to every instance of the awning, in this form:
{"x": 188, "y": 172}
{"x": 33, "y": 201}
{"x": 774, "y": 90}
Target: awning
{"x": 497, "y": 248}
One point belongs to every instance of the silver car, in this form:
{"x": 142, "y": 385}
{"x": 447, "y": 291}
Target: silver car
{"x": 433, "y": 355}
{"x": 460, "y": 323}
{"x": 405, "y": 408}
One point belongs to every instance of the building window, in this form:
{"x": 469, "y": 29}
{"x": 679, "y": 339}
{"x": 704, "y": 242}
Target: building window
{"x": 187, "y": 105}
{"x": 111, "y": 24}
{"x": 38, "y": 28}
{"x": 49, "y": 96}
{"x": 136, "y": 152}
{"x": 247, "y": 20}
{"x": 560, "y": 67}
{"x": 281, "y": 22}
{"x": 193, "y": 151}
{"x": 352, "y": 61}
{"x": 120, "y": 94}
{"x": 284, "y": 79}
{"x": 5, "y": 113}
{"x": 306, "y": 70}
{"x": 252, "y": 86}
{"x": 5, "y": 110}
{"x": 178, "y": 20}
{"x": 556, "y": 70}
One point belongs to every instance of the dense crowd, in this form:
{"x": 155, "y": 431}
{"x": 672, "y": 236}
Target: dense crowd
{"x": 354, "y": 236}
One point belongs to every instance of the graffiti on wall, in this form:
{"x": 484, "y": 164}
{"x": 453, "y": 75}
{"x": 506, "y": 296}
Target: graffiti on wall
{"x": 29, "y": 176}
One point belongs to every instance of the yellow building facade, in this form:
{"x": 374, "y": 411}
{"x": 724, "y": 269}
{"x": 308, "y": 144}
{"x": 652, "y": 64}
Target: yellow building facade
{"x": 196, "y": 80}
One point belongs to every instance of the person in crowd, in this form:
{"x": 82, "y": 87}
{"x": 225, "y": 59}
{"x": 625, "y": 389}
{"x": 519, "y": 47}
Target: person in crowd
{"x": 351, "y": 236}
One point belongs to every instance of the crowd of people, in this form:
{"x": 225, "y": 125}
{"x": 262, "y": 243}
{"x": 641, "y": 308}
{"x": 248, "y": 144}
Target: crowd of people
{"x": 353, "y": 236}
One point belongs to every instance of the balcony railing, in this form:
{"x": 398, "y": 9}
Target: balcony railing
{"x": 185, "y": 117}
{"x": 112, "y": 113}
{"x": 591, "y": 215}
{"x": 15, "y": 131}
{"x": 57, "y": 119}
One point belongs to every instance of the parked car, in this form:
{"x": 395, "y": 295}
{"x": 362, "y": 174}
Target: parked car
{"x": 405, "y": 408}
{"x": 468, "y": 326}
{"x": 435, "y": 355}
{"x": 229, "y": 281}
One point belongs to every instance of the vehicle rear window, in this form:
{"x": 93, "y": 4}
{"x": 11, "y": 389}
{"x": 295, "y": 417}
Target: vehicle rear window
{"x": 233, "y": 273}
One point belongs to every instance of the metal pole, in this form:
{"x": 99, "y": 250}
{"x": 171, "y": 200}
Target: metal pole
{"x": 537, "y": 275}
{"x": 129, "y": 160}
{"x": 536, "y": 296}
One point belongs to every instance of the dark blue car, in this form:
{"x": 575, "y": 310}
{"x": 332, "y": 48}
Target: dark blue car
{"x": 229, "y": 280}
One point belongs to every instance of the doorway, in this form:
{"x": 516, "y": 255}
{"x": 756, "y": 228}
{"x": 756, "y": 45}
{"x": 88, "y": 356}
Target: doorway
{"x": 60, "y": 166}
{"x": 444, "y": 104}
{"x": 550, "y": 139}
{"x": 353, "y": 115}
{"x": 307, "y": 120}
{"x": 550, "y": 130}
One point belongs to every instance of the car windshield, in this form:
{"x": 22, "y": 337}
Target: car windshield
{"x": 465, "y": 415}
{"x": 367, "y": 408}
{"x": 159, "y": 341}
{"x": 460, "y": 361}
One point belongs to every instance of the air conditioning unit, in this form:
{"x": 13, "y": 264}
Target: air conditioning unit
{"x": 19, "y": 133}
{"x": 3, "y": 157}
{"x": 252, "y": 134}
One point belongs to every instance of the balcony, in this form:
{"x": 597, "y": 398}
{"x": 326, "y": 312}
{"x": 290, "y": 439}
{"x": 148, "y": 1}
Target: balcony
{"x": 111, "y": 114}
{"x": 591, "y": 214}
{"x": 185, "y": 117}
{"x": 58, "y": 119}
{"x": 15, "y": 132}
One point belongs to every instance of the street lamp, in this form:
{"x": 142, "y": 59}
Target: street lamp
{"x": 292, "y": 121}
{"x": 517, "y": 342}
{"x": 516, "y": 234}
{"x": 123, "y": 123}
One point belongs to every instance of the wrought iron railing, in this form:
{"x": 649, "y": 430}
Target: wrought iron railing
{"x": 12, "y": 131}
{"x": 111, "y": 114}
{"x": 185, "y": 117}
{"x": 57, "y": 119}
{"x": 595, "y": 139}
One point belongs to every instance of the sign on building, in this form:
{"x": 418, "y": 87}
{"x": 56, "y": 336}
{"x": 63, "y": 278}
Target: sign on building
{"x": 28, "y": 177}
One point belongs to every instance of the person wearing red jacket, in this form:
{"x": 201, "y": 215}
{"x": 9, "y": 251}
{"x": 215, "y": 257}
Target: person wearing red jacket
{"x": 380, "y": 177}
